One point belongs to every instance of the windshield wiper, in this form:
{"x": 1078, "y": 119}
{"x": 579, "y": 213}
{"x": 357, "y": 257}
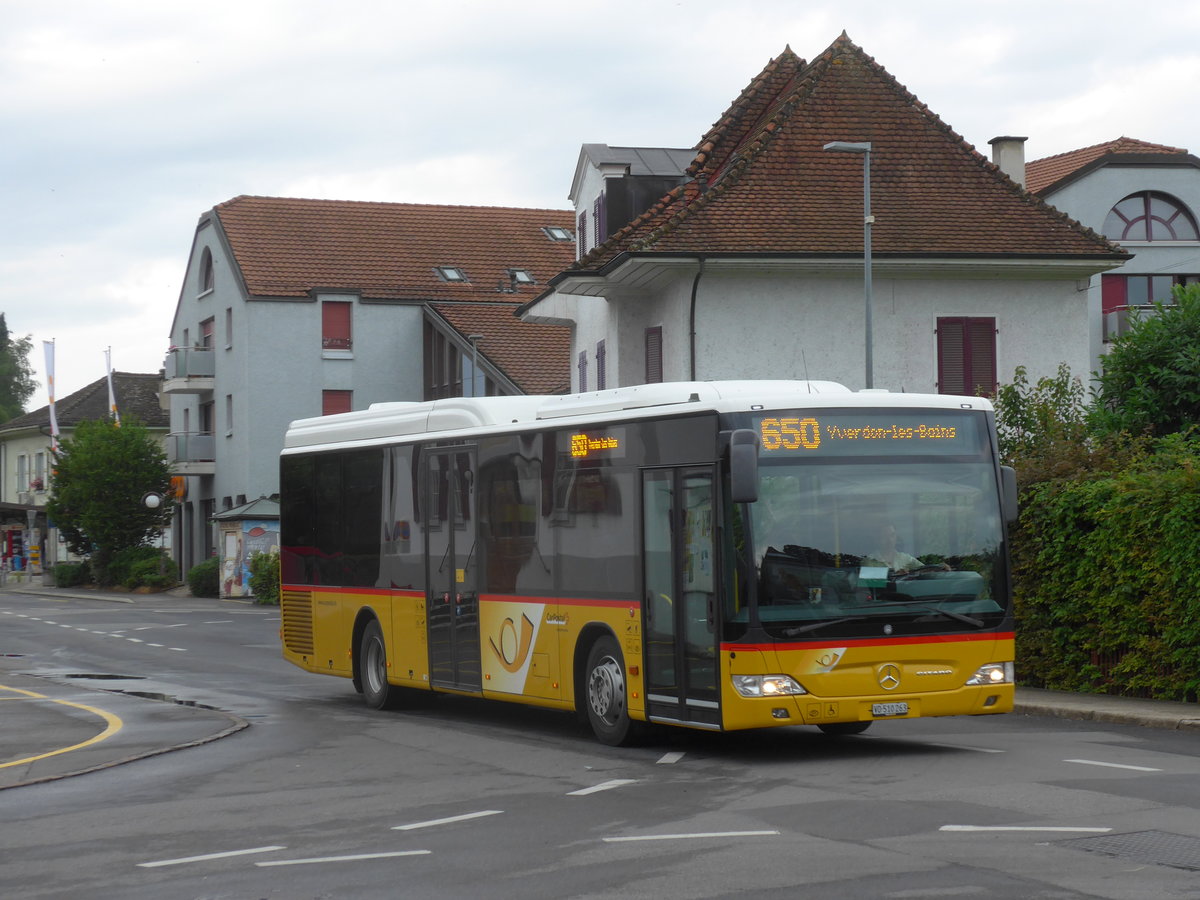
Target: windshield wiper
{"x": 960, "y": 617}
{"x": 804, "y": 629}
{"x": 816, "y": 626}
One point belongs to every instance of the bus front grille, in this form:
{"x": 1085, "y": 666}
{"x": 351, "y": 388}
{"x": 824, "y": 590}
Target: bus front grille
{"x": 296, "y": 613}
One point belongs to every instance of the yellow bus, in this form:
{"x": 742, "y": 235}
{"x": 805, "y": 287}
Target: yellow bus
{"x": 716, "y": 555}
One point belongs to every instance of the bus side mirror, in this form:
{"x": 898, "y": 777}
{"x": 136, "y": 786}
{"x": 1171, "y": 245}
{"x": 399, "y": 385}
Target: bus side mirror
{"x": 743, "y": 466}
{"x": 1008, "y": 496}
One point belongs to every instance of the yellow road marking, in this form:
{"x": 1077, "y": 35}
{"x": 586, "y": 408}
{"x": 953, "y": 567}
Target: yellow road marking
{"x": 113, "y": 724}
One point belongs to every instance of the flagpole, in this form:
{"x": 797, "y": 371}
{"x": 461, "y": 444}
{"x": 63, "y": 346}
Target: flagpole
{"x": 112, "y": 397}
{"x": 48, "y": 346}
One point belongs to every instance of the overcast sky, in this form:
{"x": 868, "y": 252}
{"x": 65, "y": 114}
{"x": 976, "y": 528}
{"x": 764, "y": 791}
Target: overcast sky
{"x": 121, "y": 122}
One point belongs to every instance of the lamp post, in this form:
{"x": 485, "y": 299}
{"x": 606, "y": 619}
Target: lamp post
{"x": 154, "y": 500}
{"x": 863, "y": 147}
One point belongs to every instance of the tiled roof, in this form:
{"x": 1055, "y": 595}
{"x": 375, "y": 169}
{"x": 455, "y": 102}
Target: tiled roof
{"x": 1042, "y": 173}
{"x": 536, "y": 357}
{"x": 137, "y": 397}
{"x": 287, "y": 247}
{"x": 761, "y": 182}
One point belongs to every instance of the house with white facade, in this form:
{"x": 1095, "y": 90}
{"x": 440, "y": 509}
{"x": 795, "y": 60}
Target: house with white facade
{"x": 26, "y": 465}
{"x": 752, "y": 266}
{"x": 292, "y": 308}
{"x": 1141, "y": 195}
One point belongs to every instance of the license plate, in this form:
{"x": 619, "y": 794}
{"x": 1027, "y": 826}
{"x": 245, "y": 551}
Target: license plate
{"x": 889, "y": 709}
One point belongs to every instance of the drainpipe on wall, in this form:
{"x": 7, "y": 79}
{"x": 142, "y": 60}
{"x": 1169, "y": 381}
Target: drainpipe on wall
{"x": 692, "y": 318}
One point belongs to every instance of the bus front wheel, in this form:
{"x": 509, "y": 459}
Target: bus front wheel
{"x": 606, "y": 695}
{"x": 372, "y": 664}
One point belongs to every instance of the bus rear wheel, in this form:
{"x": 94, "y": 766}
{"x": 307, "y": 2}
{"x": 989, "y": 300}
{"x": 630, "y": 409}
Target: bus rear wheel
{"x": 372, "y": 667}
{"x": 606, "y": 696}
{"x": 844, "y": 728}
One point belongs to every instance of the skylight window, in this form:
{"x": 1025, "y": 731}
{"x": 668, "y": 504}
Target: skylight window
{"x": 520, "y": 276}
{"x": 453, "y": 274}
{"x": 558, "y": 234}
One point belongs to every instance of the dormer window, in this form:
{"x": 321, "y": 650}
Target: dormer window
{"x": 451, "y": 274}
{"x": 558, "y": 234}
{"x": 521, "y": 276}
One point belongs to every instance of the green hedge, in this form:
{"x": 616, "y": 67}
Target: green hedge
{"x": 204, "y": 579}
{"x": 264, "y": 578}
{"x": 1107, "y": 578}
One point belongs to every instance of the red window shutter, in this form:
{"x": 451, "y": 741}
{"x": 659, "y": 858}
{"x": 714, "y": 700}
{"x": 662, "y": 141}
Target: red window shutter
{"x": 333, "y": 402}
{"x": 966, "y": 355}
{"x": 654, "y": 357}
{"x": 1112, "y": 292}
{"x": 335, "y": 325}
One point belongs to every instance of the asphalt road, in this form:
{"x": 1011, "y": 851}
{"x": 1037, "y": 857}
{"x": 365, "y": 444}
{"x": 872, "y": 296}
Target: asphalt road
{"x": 283, "y": 785}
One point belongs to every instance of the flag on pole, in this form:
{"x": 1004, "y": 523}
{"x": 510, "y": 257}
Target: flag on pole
{"x": 112, "y": 397}
{"x": 48, "y": 346}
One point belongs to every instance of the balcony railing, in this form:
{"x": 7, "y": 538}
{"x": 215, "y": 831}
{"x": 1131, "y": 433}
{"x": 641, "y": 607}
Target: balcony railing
{"x": 190, "y": 362}
{"x": 1118, "y": 322}
{"x": 189, "y": 370}
{"x": 191, "y": 447}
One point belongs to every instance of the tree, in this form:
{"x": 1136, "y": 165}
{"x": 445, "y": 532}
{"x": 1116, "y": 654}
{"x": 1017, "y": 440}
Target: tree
{"x": 1150, "y": 381}
{"x": 16, "y": 375}
{"x": 101, "y": 475}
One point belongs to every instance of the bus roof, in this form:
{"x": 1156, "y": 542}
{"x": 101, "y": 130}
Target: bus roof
{"x": 463, "y": 416}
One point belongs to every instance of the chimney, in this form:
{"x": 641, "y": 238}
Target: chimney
{"x": 1009, "y": 154}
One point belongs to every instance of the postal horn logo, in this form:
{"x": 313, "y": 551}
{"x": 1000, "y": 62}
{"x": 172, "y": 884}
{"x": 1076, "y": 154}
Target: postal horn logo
{"x": 889, "y": 676}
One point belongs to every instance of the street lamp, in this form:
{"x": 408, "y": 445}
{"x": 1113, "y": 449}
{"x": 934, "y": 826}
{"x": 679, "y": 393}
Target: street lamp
{"x": 154, "y": 500}
{"x": 863, "y": 147}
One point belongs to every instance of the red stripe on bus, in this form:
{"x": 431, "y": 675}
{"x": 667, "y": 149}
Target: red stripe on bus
{"x": 876, "y": 642}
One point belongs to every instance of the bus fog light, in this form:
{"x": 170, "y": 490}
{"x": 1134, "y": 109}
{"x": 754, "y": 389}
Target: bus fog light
{"x": 766, "y": 685}
{"x": 993, "y": 673}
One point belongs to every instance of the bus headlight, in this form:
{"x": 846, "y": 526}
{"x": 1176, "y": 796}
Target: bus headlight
{"x": 993, "y": 673}
{"x": 766, "y": 685}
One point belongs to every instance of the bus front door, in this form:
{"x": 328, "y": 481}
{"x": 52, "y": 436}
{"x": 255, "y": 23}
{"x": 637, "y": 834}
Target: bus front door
{"x": 452, "y": 601}
{"x": 679, "y": 599}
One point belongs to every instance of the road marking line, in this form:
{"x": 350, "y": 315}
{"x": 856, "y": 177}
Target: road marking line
{"x": 1094, "y": 762}
{"x": 154, "y": 645}
{"x": 669, "y": 758}
{"x": 219, "y": 622}
{"x": 683, "y": 837}
{"x": 113, "y": 724}
{"x": 965, "y": 747}
{"x": 208, "y": 856}
{"x": 605, "y": 786}
{"x": 448, "y": 820}
{"x": 180, "y": 649}
{"x": 354, "y": 858}
{"x": 135, "y": 640}
{"x": 1019, "y": 828}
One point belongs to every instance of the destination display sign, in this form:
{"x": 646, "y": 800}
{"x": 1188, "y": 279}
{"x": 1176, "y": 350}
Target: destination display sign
{"x": 877, "y": 433}
{"x": 593, "y": 444}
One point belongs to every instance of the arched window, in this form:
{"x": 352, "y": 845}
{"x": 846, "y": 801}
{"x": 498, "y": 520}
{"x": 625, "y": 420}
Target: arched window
{"x": 206, "y": 271}
{"x": 1150, "y": 216}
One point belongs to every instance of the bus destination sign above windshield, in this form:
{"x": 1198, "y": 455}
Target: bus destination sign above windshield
{"x": 590, "y": 446}
{"x": 874, "y": 434}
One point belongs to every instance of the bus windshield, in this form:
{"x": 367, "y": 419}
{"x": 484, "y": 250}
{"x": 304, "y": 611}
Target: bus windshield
{"x": 873, "y": 545}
